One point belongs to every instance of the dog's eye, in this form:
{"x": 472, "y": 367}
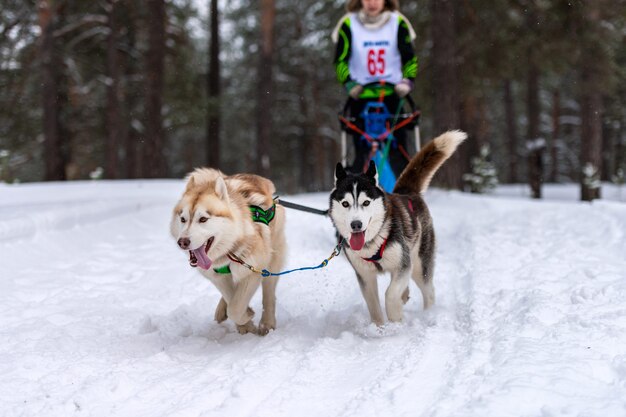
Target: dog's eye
{"x": 203, "y": 219}
{"x": 366, "y": 203}
{"x": 183, "y": 220}
{"x": 345, "y": 204}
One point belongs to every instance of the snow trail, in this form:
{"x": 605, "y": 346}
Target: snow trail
{"x": 101, "y": 315}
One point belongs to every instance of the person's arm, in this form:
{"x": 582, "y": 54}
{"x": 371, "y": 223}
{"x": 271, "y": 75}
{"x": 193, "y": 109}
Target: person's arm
{"x": 407, "y": 57}
{"x": 407, "y": 53}
{"x": 342, "y": 56}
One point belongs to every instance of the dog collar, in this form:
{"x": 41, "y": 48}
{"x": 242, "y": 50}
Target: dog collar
{"x": 378, "y": 255}
{"x": 263, "y": 216}
{"x": 224, "y": 270}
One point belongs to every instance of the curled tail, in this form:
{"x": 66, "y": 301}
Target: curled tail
{"x": 417, "y": 175}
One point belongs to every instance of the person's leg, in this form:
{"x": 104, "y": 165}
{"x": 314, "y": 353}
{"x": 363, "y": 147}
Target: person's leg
{"x": 397, "y": 158}
{"x": 397, "y": 153}
{"x": 360, "y": 154}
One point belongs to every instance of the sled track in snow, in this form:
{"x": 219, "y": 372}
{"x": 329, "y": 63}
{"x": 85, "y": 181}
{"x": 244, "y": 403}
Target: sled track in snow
{"x": 32, "y": 220}
{"x": 423, "y": 356}
{"x": 101, "y": 313}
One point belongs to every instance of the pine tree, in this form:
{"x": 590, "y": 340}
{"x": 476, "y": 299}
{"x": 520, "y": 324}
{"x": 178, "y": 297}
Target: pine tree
{"x": 483, "y": 177}
{"x": 5, "y": 175}
{"x": 591, "y": 179}
{"x": 619, "y": 178}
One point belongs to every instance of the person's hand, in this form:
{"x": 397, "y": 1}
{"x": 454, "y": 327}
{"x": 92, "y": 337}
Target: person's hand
{"x": 403, "y": 88}
{"x": 354, "y": 89}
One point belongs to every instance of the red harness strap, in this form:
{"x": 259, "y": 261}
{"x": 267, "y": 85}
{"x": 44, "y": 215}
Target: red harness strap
{"x": 383, "y": 135}
{"x": 378, "y": 255}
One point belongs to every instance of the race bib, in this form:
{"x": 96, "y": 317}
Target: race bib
{"x": 375, "y": 56}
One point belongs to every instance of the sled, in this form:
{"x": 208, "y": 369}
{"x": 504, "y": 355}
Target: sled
{"x": 376, "y": 125}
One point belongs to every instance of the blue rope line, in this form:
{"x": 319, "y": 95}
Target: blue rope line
{"x": 336, "y": 251}
{"x": 265, "y": 273}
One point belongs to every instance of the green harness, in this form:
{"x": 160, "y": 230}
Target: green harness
{"x": 223, "y": 269}
{"x": 263, "y": 216}
{"x": 258, "y": 216}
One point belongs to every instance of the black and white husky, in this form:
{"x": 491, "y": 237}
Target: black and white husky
{"x": 391, "y": 232}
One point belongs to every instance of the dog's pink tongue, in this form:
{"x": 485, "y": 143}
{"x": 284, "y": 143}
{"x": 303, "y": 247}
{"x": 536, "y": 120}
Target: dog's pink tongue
{"x": 357, "y": 240}
{"x": 203, "y": 261}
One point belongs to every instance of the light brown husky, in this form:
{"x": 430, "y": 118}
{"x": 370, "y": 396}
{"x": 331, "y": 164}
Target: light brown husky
{"x": 220, "y": 219}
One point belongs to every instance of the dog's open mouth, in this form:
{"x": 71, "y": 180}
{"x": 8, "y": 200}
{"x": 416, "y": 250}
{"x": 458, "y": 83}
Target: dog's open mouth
{"x": 357, "y": 240}
{"x": 198, "y": 257}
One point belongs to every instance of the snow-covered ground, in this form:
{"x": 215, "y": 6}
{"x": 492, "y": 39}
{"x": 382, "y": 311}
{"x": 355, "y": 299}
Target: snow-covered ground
{"x": 101, "y": 315}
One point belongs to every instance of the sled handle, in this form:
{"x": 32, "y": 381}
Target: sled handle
{"x": 344, "y": 148}
{"x": 350, "y": 100}
{"x": 418, "y": 141}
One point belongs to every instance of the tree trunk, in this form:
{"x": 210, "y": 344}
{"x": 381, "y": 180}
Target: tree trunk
{"x": 619, "y": 161}
{"x": 445, "y": 84}
{"x": 265, "y": 89}
{"x": 306, "y": 123}
{"x": 556, "y": 132}
{"x": 591, "y": 136}
{"x": 56, "y": 152}
{"x": 511, "y": 130}
{"x": 213, "y": 84}
{"x": 474, "y": 121}
{"x": 608, "y": 151}
{"x": 113, "y": 117}
{"x": 154, "y": 141}
{"x": 131, "y": 138}
{"x": 591, "y": 102}
{"x": 304, "y": 144}
{"x": 534, "y": 143}
{"x": 320, "y": 171}
{"x": 304, "y": 177}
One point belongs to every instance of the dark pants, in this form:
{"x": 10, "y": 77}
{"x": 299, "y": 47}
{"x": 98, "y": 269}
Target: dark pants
{"x": 362, "y": 147}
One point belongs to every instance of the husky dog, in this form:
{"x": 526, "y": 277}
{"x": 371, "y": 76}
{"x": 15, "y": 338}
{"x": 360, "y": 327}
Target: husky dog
{"x": 391, "y": 232}
{"x": 222, "y": 219}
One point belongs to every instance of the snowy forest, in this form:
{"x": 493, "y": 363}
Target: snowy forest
{"x": 153, "y": 88}
{"x": 106, "y": 106}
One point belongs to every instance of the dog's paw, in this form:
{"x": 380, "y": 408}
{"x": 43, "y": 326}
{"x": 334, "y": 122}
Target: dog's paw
{"x": 220, "y": 311}
{"x": 249, "y": 327}
{"x": 264, "y": 327}
{"x": 263, "y": 331}
{"x": 267, "y": 322}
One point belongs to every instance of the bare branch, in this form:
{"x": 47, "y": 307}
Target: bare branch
{"x": 90, "y": 19}
{"x": 104, "y": 31}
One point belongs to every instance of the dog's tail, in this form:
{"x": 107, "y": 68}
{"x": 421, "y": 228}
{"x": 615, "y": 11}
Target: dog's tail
{"x": 417, "y": 175}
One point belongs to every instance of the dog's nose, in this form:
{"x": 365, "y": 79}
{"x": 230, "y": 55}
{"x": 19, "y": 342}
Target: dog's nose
{"x": 356, "y": 226}
{"x": 184, "y": 242}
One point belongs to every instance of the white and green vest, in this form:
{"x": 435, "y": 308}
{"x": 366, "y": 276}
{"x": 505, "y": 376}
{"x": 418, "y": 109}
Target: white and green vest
{"x": 375, "y": 55}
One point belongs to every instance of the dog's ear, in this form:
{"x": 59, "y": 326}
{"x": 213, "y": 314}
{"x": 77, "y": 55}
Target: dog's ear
{"x": 220, "y": 189}
{"x": 371, "y": 173}
{"x": 190, "y": 183}
{"x": 340, "y": 173}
